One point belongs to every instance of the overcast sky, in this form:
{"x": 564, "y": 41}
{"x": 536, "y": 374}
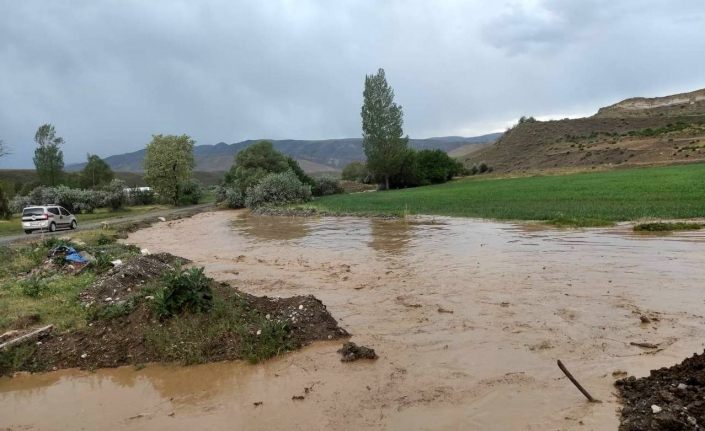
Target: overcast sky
{"x": 109, "y": 74}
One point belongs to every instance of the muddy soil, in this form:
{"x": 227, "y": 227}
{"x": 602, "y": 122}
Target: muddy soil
{"x": 667, "y": 399}
{"x": 467, "y": 317}
{"x": 122, "y": 340}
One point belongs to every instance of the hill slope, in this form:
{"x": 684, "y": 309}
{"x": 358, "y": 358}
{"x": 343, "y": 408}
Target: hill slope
{"x": 638, "y": 131}
{"x": 317, "y": 155}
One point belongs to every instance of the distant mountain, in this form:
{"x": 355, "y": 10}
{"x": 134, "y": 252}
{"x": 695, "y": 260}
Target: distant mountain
{"x": 314, "y": 155}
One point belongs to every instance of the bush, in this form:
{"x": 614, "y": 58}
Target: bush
{"x": 138, "y": 196}
{"x": 356, "y": 171}
{"x": 191, "y": 193}
{"x": 436, "y": 166}
{"x": 300, "y": 174}
{"x": 234, "y": 198}
{"x": 184, "y": 291}
{"x": 277, "y": 189}
{"x": 74, "y": 200}
{"x": 5, "y": 211}
{"x": 115, "y": 196}
{"x": 326, "y": 186}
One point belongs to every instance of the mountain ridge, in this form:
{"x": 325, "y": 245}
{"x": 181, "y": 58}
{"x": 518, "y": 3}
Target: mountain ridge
{"x": 318, "y": 155}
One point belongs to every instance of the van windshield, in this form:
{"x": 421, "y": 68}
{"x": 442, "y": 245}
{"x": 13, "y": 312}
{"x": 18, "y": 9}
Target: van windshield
{"x": 33, "y": 211}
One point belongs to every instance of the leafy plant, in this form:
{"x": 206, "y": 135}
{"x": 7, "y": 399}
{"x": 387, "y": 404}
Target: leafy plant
{"x": 278, "y": 189}
{"x": 184, "y": 291}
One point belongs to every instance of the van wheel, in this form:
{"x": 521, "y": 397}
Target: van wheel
{"x": 27, "y": 231}
{"x": 52, "y": 227}
{"x": 74, "y": 225}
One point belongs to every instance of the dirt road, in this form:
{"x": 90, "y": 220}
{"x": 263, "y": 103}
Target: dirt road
{"x": 167, "y": 213}
{"x": 468, "y": 318}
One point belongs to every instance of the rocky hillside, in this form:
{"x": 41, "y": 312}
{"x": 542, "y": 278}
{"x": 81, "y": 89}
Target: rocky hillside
{"x": 636, "y": 131}
{"x": 314, "y": 156}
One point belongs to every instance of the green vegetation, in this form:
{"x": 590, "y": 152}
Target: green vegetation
{"x": 168, "y": 165}
{"x": 184, "y": 291}
{"x": 200, "y": 335}
{"x": 263, "y": 176}
{"x": 667, "y": 226}
{"x": 48, "y": 158}
{"x": 382, "y": 135}
{"x": 575, "y": 199}
{"x": 96, "y": 173}
{"x": 13, "y": 226}
{"x": 355, "y": 171}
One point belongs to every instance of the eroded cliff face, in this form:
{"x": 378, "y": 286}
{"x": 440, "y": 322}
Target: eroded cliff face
{"x": 675, "y": 105}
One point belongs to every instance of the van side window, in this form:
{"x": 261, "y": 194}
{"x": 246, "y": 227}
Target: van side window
{"x": 63, "y": 211}
{"x": 53, "y": 210}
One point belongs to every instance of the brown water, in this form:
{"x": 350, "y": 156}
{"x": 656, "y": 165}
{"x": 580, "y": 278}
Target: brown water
{"x": 520, "y": 298}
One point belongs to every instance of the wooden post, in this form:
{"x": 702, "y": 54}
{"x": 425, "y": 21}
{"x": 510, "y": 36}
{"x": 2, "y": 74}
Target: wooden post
{"x": 575, "y": 382}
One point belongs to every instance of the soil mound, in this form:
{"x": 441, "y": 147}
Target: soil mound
{"x": 668, "y": 399}
{"x": 306, "y": 316}
{"x": 124, "y": 281}
{"x": 123, "y": 328}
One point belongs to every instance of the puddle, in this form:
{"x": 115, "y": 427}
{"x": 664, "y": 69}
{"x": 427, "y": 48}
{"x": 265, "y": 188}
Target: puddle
{"x": 468, "y": 318}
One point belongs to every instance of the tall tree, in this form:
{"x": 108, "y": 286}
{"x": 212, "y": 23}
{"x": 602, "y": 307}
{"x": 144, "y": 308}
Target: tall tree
{"x": 96, "y": 172}
{"x": 48, "y": 157}
{"x": 382, "y": 134}
{"x": 3, "y": 149}
{"x": 168, "y": 165}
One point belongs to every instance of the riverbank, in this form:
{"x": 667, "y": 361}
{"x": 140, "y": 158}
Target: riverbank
{"x": 104, "y": 304}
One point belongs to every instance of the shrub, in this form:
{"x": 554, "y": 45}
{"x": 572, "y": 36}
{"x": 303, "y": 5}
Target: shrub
{"x": 356, "y": 171}
{"x": 139, "y": 196}
{"x": 277, "y": 189}
{"x": 184, "y": 291}
{"x": 326, "y": 186}
{"x": 234, "y": 198}
{"x": 191, "y": 193}
{"x": 300, "y": 174}
{"x": 5, "y": 211}
{"x": 482, "y": 168}
{"x": 32, "y": 286}
{"x": 436, "y": 166}
{"x": 115, "y": 196}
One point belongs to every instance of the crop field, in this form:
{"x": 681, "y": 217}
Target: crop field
{"x": 582, "y": 199}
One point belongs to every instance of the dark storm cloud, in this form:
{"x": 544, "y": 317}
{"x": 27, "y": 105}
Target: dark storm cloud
{"x": 108, "y": 74}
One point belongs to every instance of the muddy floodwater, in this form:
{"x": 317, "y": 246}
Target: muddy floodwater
{"x": 468, "y": 318}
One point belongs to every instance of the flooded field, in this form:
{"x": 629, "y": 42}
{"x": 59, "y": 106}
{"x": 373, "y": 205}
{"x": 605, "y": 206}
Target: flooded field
{"x": 468, "y": 318}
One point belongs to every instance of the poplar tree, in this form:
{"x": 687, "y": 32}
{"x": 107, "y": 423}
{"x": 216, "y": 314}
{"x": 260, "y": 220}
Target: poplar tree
{"x": 382, "y": 135}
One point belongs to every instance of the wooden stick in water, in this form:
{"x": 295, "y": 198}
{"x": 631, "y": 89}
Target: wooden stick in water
{"x": 575, "y": 382}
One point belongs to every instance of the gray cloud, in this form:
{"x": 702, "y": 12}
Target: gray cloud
{"x": 108, "y": 74}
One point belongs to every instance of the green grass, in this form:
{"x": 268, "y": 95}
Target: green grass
{"x": 583, "y": 199}
{"x": 667, "y": 227}
{"x": 13, "y": 226}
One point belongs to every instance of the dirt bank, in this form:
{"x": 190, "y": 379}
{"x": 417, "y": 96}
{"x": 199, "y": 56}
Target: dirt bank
{"x": 125, "y": 327}
{"x": 467, "y": 318}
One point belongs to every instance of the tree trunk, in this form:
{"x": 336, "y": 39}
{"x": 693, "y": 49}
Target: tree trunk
{"x": 386, "y": 182}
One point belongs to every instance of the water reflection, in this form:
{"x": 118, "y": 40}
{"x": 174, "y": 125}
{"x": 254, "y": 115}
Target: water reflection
{"x": 273, "y": 228}
{"x": 390, "y": 236}
{"x": 338, "y": 233}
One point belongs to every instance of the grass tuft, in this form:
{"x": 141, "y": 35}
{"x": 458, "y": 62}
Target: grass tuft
{"x": 666, "y": 227}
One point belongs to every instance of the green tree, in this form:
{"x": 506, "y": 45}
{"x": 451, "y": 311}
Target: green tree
{"x": 3, "y": 149}
{"x": 168, "y": 165}
{"x": 355, "y": 171}
{"x": 48, "y": 157}
{"x": 382, "y": 134}
{"x": 96, "y": 172}
{"x": 254, "y": 163}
